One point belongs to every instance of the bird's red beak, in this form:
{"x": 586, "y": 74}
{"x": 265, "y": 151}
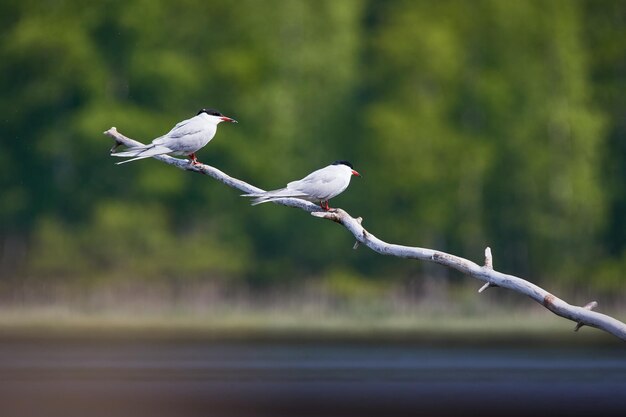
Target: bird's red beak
{"x": 356, "y": 173}
{"x": 228, "y": 119}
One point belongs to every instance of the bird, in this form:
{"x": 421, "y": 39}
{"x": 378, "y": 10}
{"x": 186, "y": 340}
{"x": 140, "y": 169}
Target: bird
{"x": 186, "y": 138}
{"x": 317, "y": 187}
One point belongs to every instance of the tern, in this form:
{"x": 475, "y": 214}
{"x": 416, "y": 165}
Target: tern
{"x": 317, "y": 187}
{"x": 186, "y": 138}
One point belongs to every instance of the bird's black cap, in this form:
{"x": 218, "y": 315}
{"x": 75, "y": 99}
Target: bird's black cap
{"x": 211, "y": 112}
{"x": 342, "y": 162}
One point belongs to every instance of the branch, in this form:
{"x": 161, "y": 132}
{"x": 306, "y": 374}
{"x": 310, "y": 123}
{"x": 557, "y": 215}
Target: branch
{"x": 582, "y": 316}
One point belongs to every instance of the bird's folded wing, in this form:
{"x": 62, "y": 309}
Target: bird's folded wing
{"x": 321, "y": 186}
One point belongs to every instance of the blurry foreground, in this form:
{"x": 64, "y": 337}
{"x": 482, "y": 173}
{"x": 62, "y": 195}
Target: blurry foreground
{"x": 461, "y": 316}
{"x": 174, "y": 377}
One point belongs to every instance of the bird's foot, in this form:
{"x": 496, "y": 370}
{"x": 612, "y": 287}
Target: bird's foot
{"x": 193, "y": 160}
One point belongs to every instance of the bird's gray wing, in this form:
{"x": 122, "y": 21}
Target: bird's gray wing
{"x": 323, "y": 175}
{"x": 177, "y": 139}
{"x": 323, "y": 184}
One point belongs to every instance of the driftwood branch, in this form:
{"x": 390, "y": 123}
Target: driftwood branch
{"x": 582, "y": 316}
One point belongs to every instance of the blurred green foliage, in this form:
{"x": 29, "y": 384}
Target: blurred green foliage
{"x": 474, "y": 123}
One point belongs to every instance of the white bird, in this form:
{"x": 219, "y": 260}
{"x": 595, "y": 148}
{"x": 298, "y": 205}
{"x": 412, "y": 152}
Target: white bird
{"x": 317, "y": 187}
{"x": 186, "y": 138}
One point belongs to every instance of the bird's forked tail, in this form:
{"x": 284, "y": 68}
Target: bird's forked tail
{"x": 141, "y": 152}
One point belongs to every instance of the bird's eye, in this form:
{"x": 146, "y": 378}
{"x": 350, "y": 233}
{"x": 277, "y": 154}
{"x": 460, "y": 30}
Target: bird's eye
{"x": 215, "y": 113}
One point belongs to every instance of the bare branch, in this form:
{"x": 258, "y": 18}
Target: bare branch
{"x": 488, "y": 258}
{"x": 488, "y": 265}
{"x": 484, "y": 287}
{"x": 583, "y": 316}
{"x": 588, "y": 306}
{"x": 356, "y": 244}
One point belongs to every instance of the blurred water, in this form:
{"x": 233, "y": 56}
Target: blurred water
{"x": 195, "y": 378}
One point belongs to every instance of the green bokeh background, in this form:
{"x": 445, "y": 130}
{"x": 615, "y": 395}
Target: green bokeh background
{"x": 484, "y": 123}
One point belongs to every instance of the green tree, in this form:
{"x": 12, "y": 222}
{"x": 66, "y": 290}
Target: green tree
{"x": 485, "y": 132}
{"x": 474, "y": 123}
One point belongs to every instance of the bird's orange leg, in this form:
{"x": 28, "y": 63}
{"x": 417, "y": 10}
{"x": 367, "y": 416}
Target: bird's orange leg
{"x": 194, "y": 160}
